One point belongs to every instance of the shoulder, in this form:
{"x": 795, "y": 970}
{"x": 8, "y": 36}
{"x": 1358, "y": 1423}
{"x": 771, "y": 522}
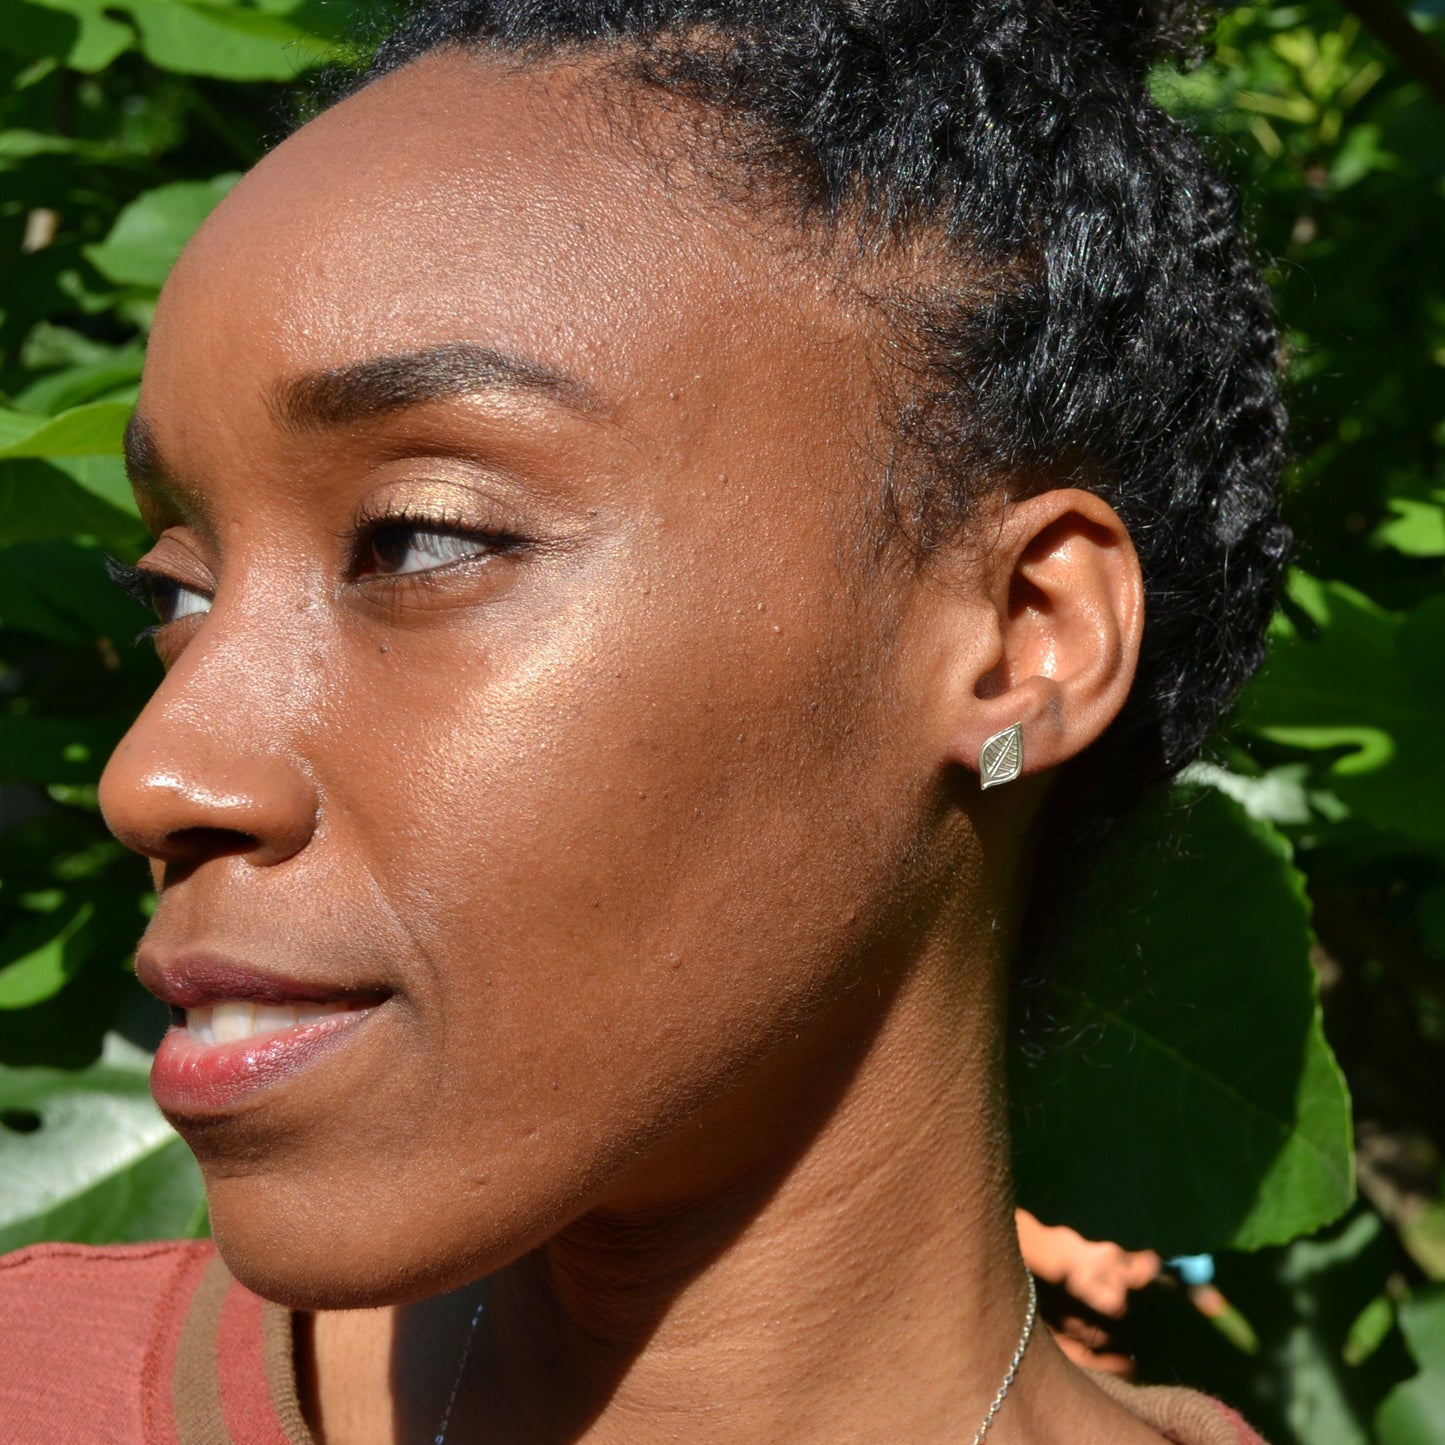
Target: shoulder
{"x": 1183, "y": 1417}
{"x": 90, "y": 1336}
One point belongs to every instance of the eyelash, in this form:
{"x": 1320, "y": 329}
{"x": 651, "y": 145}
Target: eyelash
{"x": 143, "y": 584}
{"x": 140, "y": 586}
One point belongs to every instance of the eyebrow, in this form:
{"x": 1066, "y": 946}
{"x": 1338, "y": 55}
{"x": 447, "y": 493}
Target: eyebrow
{"x": 376, "y": 386}
{"x": 143, "y": 463}
{"x": 145, "y": 467}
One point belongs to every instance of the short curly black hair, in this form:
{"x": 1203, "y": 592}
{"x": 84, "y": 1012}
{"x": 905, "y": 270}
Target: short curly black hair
{"x": 1124, "y": 339}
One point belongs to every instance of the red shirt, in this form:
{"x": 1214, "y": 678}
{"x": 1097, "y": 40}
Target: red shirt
{"x": 156, "y": 1344}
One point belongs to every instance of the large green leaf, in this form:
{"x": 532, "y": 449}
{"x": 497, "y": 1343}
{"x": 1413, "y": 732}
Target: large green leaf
{"x": 225, "y": 41}
{"x": 87, "y": 1156}
{"x": 114, "y": 377}
{"x": 1414, "y": 1413}
{"x": 36, "y": 32}
{"x": 98, "y": 39}
{"x": 152, "y": 231}
{"x": 39, "y": 500}
{"x": 104, "y": 477}
{"x": 1369, "y": 686}
{"x": 42, "y": 972}
{"x": 1196, "y": 1105}
{"x": 82, "y": 431}
{"x": 65, "y": 582}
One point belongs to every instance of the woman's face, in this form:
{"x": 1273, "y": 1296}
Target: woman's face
{"x": 533, "y": 712}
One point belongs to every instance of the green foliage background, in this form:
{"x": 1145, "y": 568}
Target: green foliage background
{"x": 1191, "y": 1102}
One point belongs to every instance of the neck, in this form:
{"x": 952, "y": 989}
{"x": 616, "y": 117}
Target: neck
{"x": 860, "y": 1280}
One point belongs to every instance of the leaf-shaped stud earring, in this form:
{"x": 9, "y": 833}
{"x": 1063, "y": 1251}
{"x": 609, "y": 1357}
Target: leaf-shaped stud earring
{"x": 1001, "y": 759}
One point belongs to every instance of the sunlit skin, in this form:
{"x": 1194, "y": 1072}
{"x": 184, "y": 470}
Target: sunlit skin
{"x": 575, "y": 722}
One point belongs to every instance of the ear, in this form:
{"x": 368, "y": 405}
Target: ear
{"x": 1061, "y": 599}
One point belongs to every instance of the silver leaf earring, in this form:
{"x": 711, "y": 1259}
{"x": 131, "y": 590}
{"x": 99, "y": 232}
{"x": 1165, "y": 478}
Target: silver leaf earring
{"x": 1001, "y": 759}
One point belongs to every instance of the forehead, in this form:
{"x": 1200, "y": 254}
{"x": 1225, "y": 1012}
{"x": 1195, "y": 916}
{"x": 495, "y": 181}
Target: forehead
{"x": 458, "y": 200}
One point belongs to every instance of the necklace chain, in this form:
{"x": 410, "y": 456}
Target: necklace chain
{"x": 995, "y": 1406}
{"x": 1013, "y": 1365}
{"x": 441, "y": 1436}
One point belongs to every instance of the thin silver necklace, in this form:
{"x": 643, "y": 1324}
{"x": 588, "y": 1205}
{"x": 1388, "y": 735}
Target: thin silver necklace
{"x": 995, "y": 1406}
{"x": 441, "y": 1438}
{"x": 1013, "y": 1364}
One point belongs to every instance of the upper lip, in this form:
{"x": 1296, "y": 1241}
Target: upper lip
{"x": 204, "y": 980}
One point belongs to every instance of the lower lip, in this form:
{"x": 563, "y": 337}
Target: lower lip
{"x": 190, "y": 1078}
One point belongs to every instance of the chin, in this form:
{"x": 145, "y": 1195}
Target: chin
{"x": 318, "y": 1249}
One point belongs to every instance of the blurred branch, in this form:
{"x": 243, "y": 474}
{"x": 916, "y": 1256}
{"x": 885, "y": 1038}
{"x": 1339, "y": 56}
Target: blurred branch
{"x": 1416, "y": 51}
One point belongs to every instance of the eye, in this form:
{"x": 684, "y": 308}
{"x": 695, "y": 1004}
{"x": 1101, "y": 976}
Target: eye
{"x": 169, "y": 599}
{"x": 399, "y": 548}
{"x": 172, "y": 600}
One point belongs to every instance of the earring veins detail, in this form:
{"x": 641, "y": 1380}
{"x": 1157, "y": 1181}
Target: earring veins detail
{"x": 1001, "y": 759}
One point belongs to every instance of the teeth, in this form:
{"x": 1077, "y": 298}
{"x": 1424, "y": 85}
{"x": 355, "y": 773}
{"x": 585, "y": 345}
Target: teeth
{"x": 232, "y": 1021}
{"x": 228, "y": 1023}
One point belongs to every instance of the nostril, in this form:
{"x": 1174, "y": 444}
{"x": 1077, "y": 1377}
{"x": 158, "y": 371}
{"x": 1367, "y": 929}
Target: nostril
{"x": 20, "y": 1121}
{"x": 209, "y": 841}
{"x": 188, "y": 848}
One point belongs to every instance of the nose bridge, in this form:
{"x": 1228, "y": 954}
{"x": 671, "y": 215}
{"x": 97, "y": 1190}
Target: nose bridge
{"x": 217, "y": 761}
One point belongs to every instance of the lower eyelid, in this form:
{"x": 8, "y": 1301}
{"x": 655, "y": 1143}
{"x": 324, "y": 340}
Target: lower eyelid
{"x": 428, "y": 576}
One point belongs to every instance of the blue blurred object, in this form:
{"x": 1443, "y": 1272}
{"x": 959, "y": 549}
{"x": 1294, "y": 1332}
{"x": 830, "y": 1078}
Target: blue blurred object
{"x": 1192, "y": 1269}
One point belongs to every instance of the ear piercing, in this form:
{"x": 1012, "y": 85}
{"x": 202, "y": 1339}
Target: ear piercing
{"x": 1001, "y": 759}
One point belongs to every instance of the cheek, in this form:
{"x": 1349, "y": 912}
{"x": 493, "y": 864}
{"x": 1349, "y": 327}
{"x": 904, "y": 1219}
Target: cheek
{"x": 610, "y": 876}
{"x": 607, "y": 828}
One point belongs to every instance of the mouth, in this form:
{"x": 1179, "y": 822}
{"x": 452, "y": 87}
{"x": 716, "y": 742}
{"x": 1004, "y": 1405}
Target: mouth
{"x": 235, "y": 1032}
{"x": 235, "y": 1021}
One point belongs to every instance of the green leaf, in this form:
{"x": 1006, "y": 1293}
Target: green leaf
{"x": 103, "y": 477}
{"x": 114, "y": 378}
{"x": 1370, "y": 687}
{"x": 35, "y": 31}
{"x": 100, "y": 38}
{"x": 1359, "y": 156}
{"x": 44, "y": 971}
{"x": 1282, "y": 795}
{"x": 86, "y": 1156}
{"x": 39, "y": 500}
{"x": 1416, "y": 525}
{"x": 63, "y": 583}
{"x": 226, "y": 42}
{"x": 1197, "y": 1105}
{"x": 82, "y": 431}
{"x": 24, "y": 145}
{"x": 1330, "y": 1280}
{"x": 150, "y": 233}
{"x": 1414, "y": 1413}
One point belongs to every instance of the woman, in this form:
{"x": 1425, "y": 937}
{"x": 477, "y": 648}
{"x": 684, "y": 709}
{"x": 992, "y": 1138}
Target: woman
{"x": 657, "y": 506}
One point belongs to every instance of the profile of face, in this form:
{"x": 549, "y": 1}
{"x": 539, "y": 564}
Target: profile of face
{"x": 552, "y": 788}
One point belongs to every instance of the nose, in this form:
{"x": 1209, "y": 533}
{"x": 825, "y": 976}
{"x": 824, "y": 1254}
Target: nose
{"x": 184, "y": 787}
